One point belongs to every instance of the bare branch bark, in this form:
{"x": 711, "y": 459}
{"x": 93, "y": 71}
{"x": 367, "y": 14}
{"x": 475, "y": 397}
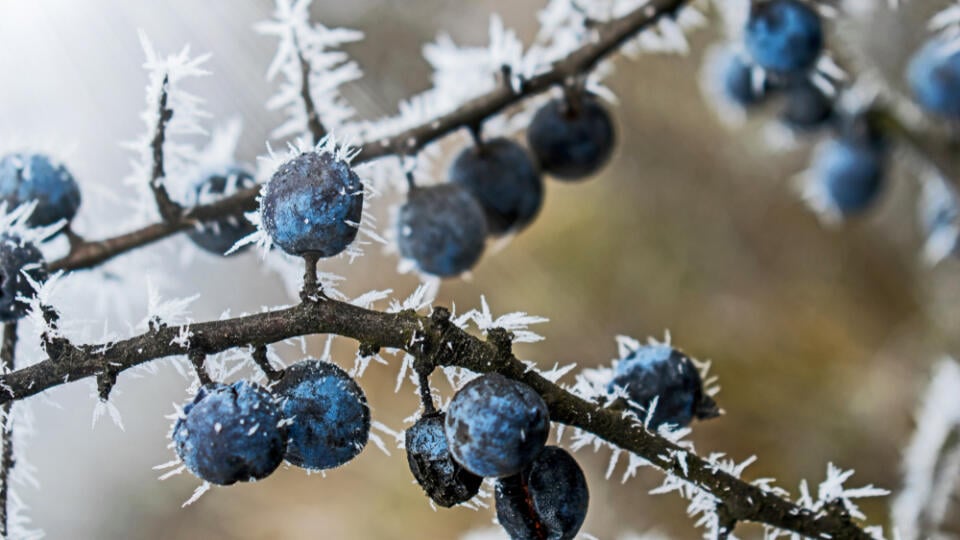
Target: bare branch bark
{"x": 7, "y": 349}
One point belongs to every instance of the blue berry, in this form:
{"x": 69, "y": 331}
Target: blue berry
{"x": 231, "y": 433}
{"x": 313, "y": 204}
{"x": 933, "y": 74}
{"x": 737, "y": 81}
{"x": 806, "y": 107}
{"x": 662, "y": 372}
{"x": 442, "y": 229}
{"x": 850, "y": 174}
{"x": 505, "y": 181}
{"x": 784, "y": 36}
{"x": 572, "y": 140}
{"x": 219, "y": 236}
{"x": 496, "y": 426}
{"x": 444, "y": 480}
{"x": 17, "y": 257}
{"x": 331, "y": 419}
{"x": 547, "y": 500}
{"x": 34, "y": 177}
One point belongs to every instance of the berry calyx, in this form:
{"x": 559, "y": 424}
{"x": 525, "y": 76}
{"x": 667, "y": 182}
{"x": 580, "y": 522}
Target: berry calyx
{"x": 313, "y": 204}
{"x": 784, "y": 36}
{"x": 329, "y": 412}
{"x": 18, "y": 257}
{"x": 572, "y": 139}
{"x": 35, "y": 177}
{"x": 444, "y": 480}
{"x": 220, "y": 235}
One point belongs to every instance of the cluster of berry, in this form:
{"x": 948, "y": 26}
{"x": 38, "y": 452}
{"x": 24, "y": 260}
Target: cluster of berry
{"x": 496, "y": 187}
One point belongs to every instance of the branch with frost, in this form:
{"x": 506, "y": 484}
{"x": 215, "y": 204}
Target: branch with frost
{"x": 7, "y": 348}
{"x": 436, "y": 342}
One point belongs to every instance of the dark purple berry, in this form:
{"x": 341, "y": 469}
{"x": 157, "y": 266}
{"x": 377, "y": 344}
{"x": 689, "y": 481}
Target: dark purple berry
{"x": 806, "y": 107}
{"x": 444, "y": 480}
{"x": 504, "y": 179}
{"x": 442, "y": 229}
{"x": 572, "y": 140}
{"x": 330, "y": 417}
{"x": 784, "y": 36}
{"x": 219, "y": 236}
{"x": 231, "y": 433}
{"x": 313, "y": 204}
{"x": 850, "y": 175}
{"x": 496, "y": 426}
{"x": 16, "y": 258}
{"x": 663, "y": 373}
{"x": 548, "y": 500}
{"x": 34, "y": 177}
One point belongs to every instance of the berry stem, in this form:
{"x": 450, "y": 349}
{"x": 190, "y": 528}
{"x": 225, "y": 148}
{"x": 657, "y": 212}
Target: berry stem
{"x": 310, "y": 286}
{"x": 7, "y": 349}
{"x": 260, "y": 357}
{"x": 426, "y": 396}
{"x": 198, "y": 358}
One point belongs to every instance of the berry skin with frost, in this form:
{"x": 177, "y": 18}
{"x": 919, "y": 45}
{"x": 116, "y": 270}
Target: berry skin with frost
{"x": 572, "y": 141}
{"x": 496, "y": 426}
{"x": 806, "y": 107}
{"x": 784, "y": 36}
{"x": 331, "y": 419}
{"x": 505, "y": 181}
{"x": 29, "y": 177}
{"x": 17, "y": 257}
{"x": 442, "y": 229}
{"x": 231, "y": 433}
{"x": 850, "y": 174}
{"x": 444, "y": 480}
{"x": 548, "y": 499}
{"x": 219, "y": 236}
{"x": 313, "y": 204}
{"x": 662, "y": 372}
{"x": 933, "y": 75}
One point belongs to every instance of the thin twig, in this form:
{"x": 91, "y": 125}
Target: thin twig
{"x": 317, "y": 131}
{"x": 7, "y": 351}
{"x": 169, "y": 210}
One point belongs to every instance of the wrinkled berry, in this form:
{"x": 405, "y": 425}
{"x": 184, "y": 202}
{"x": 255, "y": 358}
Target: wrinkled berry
{"x": 313, "y": 204}
{"x": 331, "y": 419}
{"x": 784, "y": 36}
{"x": 547, "y": 500}
{"x": 16, "y": 258}
{"x": 34, "y": 177}
{"x": 444, "y": 480}
{"x": 496, "y": 426}
{"x": 806, "y": 107}
{"x": 231, "y": 433}
{"x": 219, "y": 236}
{"x": 572, "y": 141}
{"x": 850, "y": 174}
{"x": 505, "y": 181}
{"x": 442, "y": 229}
{"x": 662, "y": 372}
{"x": 934, "y": 78}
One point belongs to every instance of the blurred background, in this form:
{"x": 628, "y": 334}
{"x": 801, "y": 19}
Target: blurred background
{"x": 822, "y": 338}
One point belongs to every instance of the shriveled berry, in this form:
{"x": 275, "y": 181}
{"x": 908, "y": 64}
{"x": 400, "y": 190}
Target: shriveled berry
{"x": 933, "y": 75}
{"x": 18, "y": 257}
{"x": 442, "y": 229}
{"x": 330, "y": 417}
{"x": 807, "y": 107}
{"x": 496, "y": 426}
{"x": 572, "y": 140}
{"x": 850, "y": 174}
{"x": 505, "y": 181}
{"x": 313, "y": 204}
{"x": 231, "y": 433}
{"x": 784, "y": 36}
{"x": 444, "y": 480}
{"x": 547, "y": 500}
{"x": 35, "y": 177}
{"x": 663, "y": 373}
{"x": 220, "y": 235}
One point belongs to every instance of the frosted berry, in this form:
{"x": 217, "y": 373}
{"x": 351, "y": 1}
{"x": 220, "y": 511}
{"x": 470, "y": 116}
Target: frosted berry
{"x": 35, "y": 177}
{"x": 850, "y": 174}
{"x": 496, "y": 426}
{"x": 219, "y": 236}
{"x": 444, "y": 480}
{"x": 16, "y": 258}
{"x": 442, "y": 229}
{"x": 572, "y": 141}
{"x": 313, "y": 204}
{"x": 784, "y": 36}
{"x": 231, "y": 433}
{"x": 662, "y": 372}
{"x": 331, "y": 419}
{"x": 737, "y": 82}
{"x": 933, "y": 74}
{"x": 806, "y": 107}
{"x": 548, "y": 499}
{"x": 505, "y": 181}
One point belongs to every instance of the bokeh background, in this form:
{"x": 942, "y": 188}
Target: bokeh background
{"x": 822, "y": 338}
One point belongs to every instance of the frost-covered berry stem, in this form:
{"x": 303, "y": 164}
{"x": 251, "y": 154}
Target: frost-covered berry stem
{"x": 260, "y": 357}
{"x": 198, "y": 358}
{"x": 442, "y": 344}
{"x": 7, "y": 349}
{"x": 169, "y": 210}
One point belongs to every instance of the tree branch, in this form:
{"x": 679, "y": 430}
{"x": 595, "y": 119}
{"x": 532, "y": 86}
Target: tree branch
{"x": 436, "y": 341}
{"x": 7, "y": 349}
